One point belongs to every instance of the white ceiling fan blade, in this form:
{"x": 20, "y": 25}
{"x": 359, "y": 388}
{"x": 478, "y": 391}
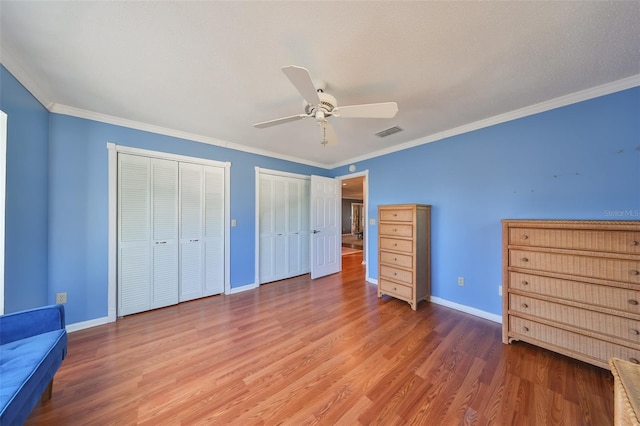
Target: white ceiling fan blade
{"x": 381, "y": 110}
{"x": 302, "y": 81}
{"x": 279, "y": 121}
{"x": 329, "y": 136}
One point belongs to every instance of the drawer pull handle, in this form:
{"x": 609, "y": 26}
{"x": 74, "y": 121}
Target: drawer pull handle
{"x": 524, "y": 259}
{"x": 634, "y": 332}
{"x": 525, "y": 282}
{"x": 395, "y": 244}
{"x": 524, "y": 305}
{"x": 395, "y": 259}
{"x": 395, "y": 229}
{"x": 633, "y": 302}
{"x": 395, "y": 214}
{"x": 634, "y": 272}
{"x": 395, "y": 274}
{"x": 525, "y": 328}
{"x": 634, "y": 243}
{"x": 525, "y": 237}
{"x": 634, "y": 360}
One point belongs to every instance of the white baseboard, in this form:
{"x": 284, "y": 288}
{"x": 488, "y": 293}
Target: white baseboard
{"x": 240, "y": 289}
{"x": 372, "y": 281}
{"x": 87, "y": 324}
{"x": 467, "y": 309}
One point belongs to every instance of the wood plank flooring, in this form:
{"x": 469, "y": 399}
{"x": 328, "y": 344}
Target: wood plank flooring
{"x": 325, "y": 352}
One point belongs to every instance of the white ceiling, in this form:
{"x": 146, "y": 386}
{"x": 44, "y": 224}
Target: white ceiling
{"x": 209, "y": 70}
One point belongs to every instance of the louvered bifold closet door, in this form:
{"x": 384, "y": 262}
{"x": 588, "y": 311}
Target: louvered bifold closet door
{"x": 265, "y": 224}
{"x": 164, "y": 213}
{"x": 191, "y": 238}
{"x": 284, "y": 227}
{"x": 134, "y": 232}
{"x": 214, "y": 187}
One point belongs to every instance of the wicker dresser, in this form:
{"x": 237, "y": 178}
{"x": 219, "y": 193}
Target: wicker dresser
{"x": 573, "y": 287}
{"x": 404, "y": 235}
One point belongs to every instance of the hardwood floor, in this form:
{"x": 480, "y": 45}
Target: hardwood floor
{"x": 324, "y": 352}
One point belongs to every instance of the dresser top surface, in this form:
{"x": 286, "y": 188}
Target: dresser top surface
{"x": 574, "y": 224}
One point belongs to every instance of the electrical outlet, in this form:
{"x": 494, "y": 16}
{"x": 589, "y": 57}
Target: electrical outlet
{"x": 461, "y": 281}
{"x": 61, "y": 298}
{"x": 499, "y": 290}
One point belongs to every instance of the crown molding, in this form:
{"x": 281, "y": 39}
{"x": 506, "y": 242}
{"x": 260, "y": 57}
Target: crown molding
{"x": 573, "y": 98}
{"x": 131, "y": 124}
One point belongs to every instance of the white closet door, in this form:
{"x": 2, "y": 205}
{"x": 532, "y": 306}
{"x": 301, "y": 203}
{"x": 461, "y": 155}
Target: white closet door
{"x": 304, "y": 186}
{"x": 191, "y": 244}
{"x": 213, "y": 230}
{"x": 164, "y": 194}
{"x": 284, "y": 227}
{"x": 134, "y": 231}
{"x": 266, "y": 229}
{"x": 280, "y": 214}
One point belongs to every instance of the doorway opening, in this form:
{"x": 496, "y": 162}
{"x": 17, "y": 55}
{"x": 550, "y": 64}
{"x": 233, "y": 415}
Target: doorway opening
{"x": 354, "y": 215}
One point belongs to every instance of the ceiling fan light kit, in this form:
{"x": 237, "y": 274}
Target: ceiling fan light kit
{"x": 320, "y": 105}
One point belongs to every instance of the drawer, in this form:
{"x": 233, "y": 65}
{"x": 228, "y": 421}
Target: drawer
{"x": 627, "y": 271}
{"x": 577, "y": 239}
{"x": 594, "y": 294}
{"x": 396, "y": 230}
{"x": 608, "y": 325}
{"x": 569, "y": 341}
{"x": 396, "y": 274}
{"x": 395, "y": 289}
{"x": 396, "y": 215}
{"x": 395, "y": 259}
{"x": 405, "y": 246}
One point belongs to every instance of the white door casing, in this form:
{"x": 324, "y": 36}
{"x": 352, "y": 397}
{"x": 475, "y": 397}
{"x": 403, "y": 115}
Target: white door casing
{"x": 326, "y": 229}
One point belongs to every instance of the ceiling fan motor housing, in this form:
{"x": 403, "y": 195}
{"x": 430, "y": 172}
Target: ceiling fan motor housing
{"x": 327, "y": 104}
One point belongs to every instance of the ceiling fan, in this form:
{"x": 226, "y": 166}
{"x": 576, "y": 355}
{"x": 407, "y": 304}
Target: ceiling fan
{"x": 320, "y": 105}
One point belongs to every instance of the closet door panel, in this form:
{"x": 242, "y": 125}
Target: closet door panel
{"x": 214, "y": 230}
{"x": 165, "y": 233}
{"x": 266, "y": 229}
{"x": 191, "y": 272}
{"x": 305, "y": 226}
{"x": 134, "y": 231}
{"x": 191, "y": 266}
{"x": 164, "y": 291}
{"x": 134, "y": 280}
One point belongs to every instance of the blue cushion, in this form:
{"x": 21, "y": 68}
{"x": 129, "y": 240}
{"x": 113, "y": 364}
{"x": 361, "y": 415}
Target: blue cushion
{"x": 26, "y": 368}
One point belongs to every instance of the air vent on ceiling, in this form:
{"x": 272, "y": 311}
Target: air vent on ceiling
{"x": 389, "y": 131}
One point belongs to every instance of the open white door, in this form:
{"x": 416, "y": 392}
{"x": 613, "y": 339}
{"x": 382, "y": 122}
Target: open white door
{"x": 326, "y": 239}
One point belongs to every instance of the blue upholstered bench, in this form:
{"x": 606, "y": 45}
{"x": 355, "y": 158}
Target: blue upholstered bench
{"x": 33, "y": 344}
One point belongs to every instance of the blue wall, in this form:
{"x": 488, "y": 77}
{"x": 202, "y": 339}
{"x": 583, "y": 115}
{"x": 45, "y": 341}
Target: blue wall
{"x": 577, "y": 162}
{"x": 26, "y": 196}
{"x": 78, "y": 206}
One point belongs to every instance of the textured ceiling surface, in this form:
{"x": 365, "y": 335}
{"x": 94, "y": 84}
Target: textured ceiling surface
{"x": 212, "y": 69}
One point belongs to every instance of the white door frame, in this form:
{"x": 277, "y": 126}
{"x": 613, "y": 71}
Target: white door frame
{"x": 365, "y": 174}
{"x": 113, "y": 150}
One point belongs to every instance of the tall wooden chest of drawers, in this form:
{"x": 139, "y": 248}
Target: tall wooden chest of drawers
{"x": 573, "y": 287}
{"x": 404, "y": 254}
